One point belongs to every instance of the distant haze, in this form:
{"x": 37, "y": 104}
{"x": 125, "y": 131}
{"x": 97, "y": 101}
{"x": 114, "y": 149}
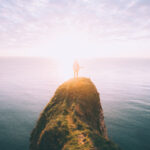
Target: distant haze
{"x": 75, "y": 28}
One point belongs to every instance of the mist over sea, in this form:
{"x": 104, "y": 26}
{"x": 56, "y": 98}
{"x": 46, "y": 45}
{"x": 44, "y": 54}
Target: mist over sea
{"x": 27, "y": 84}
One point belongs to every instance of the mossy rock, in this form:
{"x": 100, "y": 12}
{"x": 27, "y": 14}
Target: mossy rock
{"x": 72, "y": 120}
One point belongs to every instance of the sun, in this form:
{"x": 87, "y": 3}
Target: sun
{"x": 66, "y": 67}
{"x": 66, "y": 48}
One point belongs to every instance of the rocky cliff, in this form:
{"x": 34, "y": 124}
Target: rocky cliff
{"x": 72, "y": 120}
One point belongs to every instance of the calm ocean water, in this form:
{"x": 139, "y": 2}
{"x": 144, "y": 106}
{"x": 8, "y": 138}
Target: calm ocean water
{"x": 27, "y": 84}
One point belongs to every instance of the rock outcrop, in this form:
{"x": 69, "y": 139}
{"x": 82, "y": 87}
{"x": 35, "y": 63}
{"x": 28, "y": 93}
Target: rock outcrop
{"x": 72, "y": 120}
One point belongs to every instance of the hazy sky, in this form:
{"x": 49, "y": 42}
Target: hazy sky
{"x": 80, "y": 28}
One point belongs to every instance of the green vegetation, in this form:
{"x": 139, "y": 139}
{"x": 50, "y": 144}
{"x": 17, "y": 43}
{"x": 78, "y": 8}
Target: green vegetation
{"x": 72, "y": 120}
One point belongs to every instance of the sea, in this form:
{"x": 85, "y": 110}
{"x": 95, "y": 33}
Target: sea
{"x": 27, "y": 85}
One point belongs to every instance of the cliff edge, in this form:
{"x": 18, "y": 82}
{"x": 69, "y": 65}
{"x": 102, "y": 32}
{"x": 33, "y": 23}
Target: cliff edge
{"x": 72, "y": 120}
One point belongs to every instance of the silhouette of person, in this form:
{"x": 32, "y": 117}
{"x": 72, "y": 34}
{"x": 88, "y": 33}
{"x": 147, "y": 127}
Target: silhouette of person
{"x": 76, "y": 69}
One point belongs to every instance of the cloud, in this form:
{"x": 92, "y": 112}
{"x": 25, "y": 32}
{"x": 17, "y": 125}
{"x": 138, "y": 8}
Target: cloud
{"x": 28, "y": 22}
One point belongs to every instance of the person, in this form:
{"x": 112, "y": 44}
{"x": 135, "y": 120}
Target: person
{"x": 76, "y": 69}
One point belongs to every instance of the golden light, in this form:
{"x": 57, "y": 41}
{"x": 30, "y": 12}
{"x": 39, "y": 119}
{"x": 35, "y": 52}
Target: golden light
{"x": 68, "y": 47}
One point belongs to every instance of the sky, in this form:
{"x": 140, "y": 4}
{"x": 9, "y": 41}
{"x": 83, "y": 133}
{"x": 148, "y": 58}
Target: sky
{"x": 75, "y": 28}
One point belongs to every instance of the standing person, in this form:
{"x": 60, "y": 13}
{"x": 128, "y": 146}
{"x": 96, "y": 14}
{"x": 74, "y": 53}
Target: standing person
{"x": 76, "y": 69}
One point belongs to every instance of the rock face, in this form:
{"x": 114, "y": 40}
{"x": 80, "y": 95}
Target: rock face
{"x": 72, "y": 120}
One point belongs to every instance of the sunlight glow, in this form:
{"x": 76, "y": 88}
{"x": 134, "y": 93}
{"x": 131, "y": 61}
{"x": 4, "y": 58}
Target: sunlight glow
{"x": 69, "y": 44}
{"x": 68, "y": 47}
{"x": 66, "y": 68}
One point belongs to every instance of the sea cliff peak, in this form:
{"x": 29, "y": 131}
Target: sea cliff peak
{"x": 72, "y": 120}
